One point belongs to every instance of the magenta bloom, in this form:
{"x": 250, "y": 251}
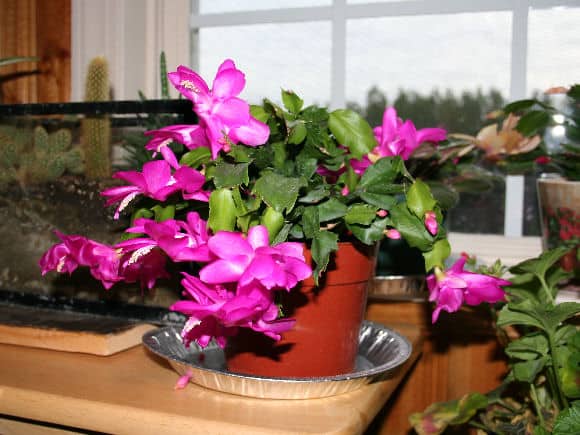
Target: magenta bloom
{"x": 191, "y": 183}
{"x": 155, "y": 181}
{"x": 74, "y": 251}
{"x": 145, "y": 266}
{"x": 455, "y": 287}
{"x": 225, "y": 118}
{"x": 65, "y": 257}
{"x": 108, "y": 264}
{"x": 217, "y": 311}
{"x": 242, "y": 260}
{"x": 397, "y": 138}
{"x": 192, "y": 136}
{"x": 181, "y": 241}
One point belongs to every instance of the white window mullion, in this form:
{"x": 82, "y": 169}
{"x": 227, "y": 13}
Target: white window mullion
{"x": 514, "y": 195}
{"x": 338, "y": 70}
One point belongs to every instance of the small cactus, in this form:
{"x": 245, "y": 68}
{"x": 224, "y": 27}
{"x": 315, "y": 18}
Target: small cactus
{"x": 40, "y": 140}
{"x": 96, "y": 130}
{"x": 59, "y": 141}
{"x": 13, "y": 142}
{"x": 74, "y": 160}
{"x": 36, "y": 156}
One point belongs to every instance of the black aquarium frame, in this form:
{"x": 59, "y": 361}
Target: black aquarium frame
{"x": 122, "y": 114}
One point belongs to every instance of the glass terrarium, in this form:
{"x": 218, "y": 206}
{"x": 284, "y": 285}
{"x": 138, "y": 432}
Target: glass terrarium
{"x": 55, "y": 159}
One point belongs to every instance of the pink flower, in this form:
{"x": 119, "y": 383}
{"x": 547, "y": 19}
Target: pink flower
{"x": 455, "y": 287}
{"x": 191, "y": 183}
{"x": 397, "y": 138}
{"x": 155, "y": 182}
{"x": 145, "y": 267}
{"x": 65, "y": 257}
{"x": 181, "y": 241}
{"x": 431, "y": 222}
{"x": 225, "y": 118}
{"x": 108, "y": 264}
{"x": 74, "y": 251}
{"x": 192, "y": 136}
{"x": 245, "y": 259}
{"x": 217, "y": 311}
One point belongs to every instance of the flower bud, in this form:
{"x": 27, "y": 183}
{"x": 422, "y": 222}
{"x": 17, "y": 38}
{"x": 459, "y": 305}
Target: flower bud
{"x": 393, "y": 234}
{"x": 431, "y": 222}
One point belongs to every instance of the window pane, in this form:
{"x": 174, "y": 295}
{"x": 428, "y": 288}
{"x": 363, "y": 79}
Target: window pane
{"x": 553, "y": 48}
{"x": 219, "y": 6}
{"x": 292, "y": 56}
{"x": 377, "y": 1}
{"x": 443, "y": 70}
{"x": 553, "y": 60}
{"x": 426, "y": 53}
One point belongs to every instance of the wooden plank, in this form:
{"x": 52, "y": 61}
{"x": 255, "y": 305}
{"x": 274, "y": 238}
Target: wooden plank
{"x": 460, "y": 354}
{"x": 68, "y": 331}
{"x": 10, "y": 426}
{"x": 36, "y": 28}
{"x": 132, "y": 392}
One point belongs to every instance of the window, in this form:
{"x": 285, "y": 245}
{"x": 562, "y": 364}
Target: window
{"x": 337, "y": 51}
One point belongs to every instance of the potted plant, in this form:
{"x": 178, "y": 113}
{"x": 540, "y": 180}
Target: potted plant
{"x": 540, "y": 393}
{"x": 261, "y": 208}
{"x": 532, "y": 136}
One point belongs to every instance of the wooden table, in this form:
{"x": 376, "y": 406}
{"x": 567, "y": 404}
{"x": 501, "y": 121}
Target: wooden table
{"x": 132, "y": 392}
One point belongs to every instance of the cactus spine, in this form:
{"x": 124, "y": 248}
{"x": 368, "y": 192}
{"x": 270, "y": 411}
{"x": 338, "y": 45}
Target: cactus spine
{"x": 96, "y": 129}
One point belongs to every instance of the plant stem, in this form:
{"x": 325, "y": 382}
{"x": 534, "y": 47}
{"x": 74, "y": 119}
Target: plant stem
{"x": 560, "y": 397}
{"x": 546, "y": 289}
{"x": 507, "y": 406}
{"x": 537, "y": 405}
{"x": 481, "y": 426}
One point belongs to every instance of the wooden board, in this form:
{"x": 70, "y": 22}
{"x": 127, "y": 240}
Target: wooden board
{"x": 68, "y": 331}
{"x": 132, "y": 393}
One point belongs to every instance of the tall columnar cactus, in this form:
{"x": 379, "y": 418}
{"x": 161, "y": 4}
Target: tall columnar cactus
{"x": 96, "y": 129}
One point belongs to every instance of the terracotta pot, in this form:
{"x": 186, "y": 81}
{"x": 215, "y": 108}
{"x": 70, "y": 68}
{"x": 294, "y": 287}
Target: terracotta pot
{"x": 559, "y": 202}
{"x": 324, "y": 341}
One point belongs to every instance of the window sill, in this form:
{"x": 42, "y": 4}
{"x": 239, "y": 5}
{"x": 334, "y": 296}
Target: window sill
{"x": 489, "y": 247}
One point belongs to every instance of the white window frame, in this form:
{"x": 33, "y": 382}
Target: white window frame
{"x": 162, "y": 25}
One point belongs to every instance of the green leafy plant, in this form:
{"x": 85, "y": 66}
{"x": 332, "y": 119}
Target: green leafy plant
{"x": 261, "y": 186}
{"x": 16, "y": 59}
{"x": 541, "y": 391}
{"x": 516, "y": 141}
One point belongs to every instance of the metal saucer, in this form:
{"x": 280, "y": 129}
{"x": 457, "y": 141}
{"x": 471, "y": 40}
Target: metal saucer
{"x": 381, "y": 351}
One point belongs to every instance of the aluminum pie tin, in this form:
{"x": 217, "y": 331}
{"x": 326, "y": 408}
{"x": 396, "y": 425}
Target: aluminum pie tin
{"x": 381, "y": 350}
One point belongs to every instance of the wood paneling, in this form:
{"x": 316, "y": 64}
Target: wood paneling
{"x": 40, "y": 28}
{"x": 460, "y": 354}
